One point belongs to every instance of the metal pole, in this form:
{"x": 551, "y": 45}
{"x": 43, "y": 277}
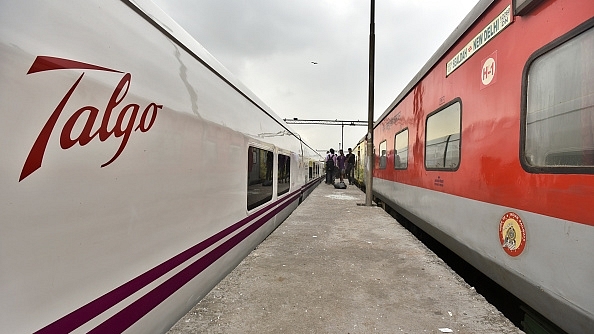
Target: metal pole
{"x": 369, "y": 166}
{"x": 342, "y": 136}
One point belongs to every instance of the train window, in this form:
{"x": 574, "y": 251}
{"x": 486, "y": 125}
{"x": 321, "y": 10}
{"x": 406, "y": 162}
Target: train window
{"x": 442, "y": 138}
{"x": 284, "y": 174}
{"x": 401, "y": 150}
{"x": 260, "y": 164}
{"x": 558, "y": 117}
{"x": 383, "y": 148}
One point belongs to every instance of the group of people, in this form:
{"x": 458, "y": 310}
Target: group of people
{"x": 339, "y": 165}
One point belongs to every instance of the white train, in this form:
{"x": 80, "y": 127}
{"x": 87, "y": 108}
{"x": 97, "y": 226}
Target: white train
{"x": 136, "y": 171}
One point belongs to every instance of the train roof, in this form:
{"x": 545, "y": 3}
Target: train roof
{"x": 466, "y": 23}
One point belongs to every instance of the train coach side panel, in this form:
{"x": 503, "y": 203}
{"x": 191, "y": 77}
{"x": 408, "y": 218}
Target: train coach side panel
{"x": 124, "y": 169}
{"x": 469, "y": 206}
{"x": 489, "y": 168}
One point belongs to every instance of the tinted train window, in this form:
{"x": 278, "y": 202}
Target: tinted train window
{"x": 559, "y": 107}
{"x": 401, "y": 150}
{"x": 284, "y": 174}
{"x": 260, "y": 164}
{"x": 383, "y": 148}
{"x": 442, "y": 138}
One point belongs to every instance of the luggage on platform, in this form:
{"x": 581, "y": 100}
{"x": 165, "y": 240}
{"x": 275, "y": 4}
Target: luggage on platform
{"x": 340, "y": 185}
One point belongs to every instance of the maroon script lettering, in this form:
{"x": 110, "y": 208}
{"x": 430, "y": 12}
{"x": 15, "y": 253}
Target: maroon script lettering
{"x": 124, "y": 126}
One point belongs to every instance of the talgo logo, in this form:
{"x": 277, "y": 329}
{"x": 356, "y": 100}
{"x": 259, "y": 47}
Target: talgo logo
{"x": 129, "y": 119}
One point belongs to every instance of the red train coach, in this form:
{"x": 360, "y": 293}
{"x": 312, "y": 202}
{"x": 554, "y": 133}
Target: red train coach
{"x": 490, "y": 149}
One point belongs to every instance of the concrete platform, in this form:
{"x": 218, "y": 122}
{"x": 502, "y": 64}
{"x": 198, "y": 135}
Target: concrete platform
{"x": 336, "y": 267}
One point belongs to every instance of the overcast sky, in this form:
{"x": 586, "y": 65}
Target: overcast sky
{"x": 270, "y": 45}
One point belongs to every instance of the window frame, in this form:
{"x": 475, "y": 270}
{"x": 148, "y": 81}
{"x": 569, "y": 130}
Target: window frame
{"x": 407, "y": 148}
{"x": 379, "y": 148}
{"x": 442, "y": 108}
{"x": 268, "y": 199}
{"x": 279, "y": 192}
{"x": 582, "y": 28}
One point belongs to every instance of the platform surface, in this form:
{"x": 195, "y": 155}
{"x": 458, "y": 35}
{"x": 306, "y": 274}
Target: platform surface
{"x": 337, "y": 267}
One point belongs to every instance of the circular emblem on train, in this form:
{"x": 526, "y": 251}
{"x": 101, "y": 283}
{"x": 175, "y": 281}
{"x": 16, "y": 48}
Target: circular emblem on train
{"x": 512, "y": 234}
{"x": 488, "y": 72}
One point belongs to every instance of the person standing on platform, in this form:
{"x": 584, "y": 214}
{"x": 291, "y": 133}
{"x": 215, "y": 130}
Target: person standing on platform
{"x": 330, "y": 166}
{"x": 341, "y": 163}
{"x": 350, "y": 166}
{"x": 326, "y": 166}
